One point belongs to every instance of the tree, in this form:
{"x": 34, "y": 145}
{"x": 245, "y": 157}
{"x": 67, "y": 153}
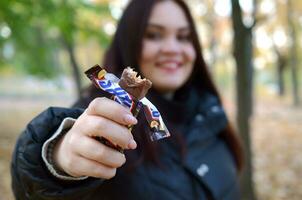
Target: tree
{"x": 41, "y": 29}
{"x": 282, "y": 60}
{"x": 243, "y": 53}
{"x": 293, "y": 53}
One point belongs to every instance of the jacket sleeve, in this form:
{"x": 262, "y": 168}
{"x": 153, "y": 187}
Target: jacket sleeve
{"x": 30, "y": 177}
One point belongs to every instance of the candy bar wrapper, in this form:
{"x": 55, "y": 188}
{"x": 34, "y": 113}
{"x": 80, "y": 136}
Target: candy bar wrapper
{"x": 158, "y": 129}
{"x": 110, "y": 83}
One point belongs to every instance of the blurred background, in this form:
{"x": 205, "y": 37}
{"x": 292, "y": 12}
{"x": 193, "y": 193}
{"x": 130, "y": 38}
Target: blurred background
{"x": 252, "y": 48}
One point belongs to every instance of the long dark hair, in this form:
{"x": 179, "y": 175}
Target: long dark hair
{"x": 126, "y": 48}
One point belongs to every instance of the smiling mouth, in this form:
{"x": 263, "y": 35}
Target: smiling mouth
{"x": 169, "y": 66}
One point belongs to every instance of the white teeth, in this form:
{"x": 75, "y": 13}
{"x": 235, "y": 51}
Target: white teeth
{"x": 170, "y": 65}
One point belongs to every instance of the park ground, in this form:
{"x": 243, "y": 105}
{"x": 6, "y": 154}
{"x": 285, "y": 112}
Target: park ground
{"x": 276, "y": 137}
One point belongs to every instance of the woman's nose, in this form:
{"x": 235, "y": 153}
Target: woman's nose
{"x": 171, "y": 45}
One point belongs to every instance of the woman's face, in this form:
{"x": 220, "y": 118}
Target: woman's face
{"x": 168, "y": 54}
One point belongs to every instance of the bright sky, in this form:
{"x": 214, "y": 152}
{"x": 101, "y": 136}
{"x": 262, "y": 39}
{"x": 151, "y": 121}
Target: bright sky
{"x": 223, "y": 7}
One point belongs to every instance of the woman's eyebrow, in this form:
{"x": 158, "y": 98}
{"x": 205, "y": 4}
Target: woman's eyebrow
{"x": 161, "y": 27}
{"x": 157, "y": 26}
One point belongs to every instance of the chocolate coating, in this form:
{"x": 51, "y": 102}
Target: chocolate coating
{"x": 135, "y": 86}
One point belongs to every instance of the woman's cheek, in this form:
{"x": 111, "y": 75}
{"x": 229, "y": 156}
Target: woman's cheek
{"x": 190, "y": 53}
{"x": 148, "y": 59}
{"x": 150, "y": 50}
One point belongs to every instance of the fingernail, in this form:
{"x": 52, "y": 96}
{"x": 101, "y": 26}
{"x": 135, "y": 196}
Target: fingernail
{"x": 130, "y": 119}
{"x": 132, "y": 144}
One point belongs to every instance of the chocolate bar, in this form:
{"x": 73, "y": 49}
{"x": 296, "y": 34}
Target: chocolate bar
{"x": 130, "y": 92}
{"x": 133, "y": 84}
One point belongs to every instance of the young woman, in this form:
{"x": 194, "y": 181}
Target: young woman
{"x": 56, "y": 156}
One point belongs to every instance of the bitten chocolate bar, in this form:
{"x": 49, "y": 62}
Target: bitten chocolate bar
{"x": 135, "y": 86}
{"x": 130, "y": 92}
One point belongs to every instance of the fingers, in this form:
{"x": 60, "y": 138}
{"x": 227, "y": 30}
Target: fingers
{"x": 86, "y": 167}
{"x": 111, "y": 110}
{"x": 79, "y": 154}
{"x": 93, "y": 150}
{"x": 102, "y": 127}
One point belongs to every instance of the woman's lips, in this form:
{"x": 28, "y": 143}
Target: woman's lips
{"x": 168, "y": 66}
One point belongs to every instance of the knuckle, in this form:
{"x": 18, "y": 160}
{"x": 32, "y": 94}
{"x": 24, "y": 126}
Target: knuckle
{"x": 119, "y": 109}
{"x": 80, "y": 124}
{"x": 99, "y": 124}
{"x": 72, "y": 141}
{"x": 92, "y": 104}
{"x": 95, "y": 124}
{"x": 89, "y": 123}
{"x": 101, "y": 153}
{"x": 100, "y": 100}
{"x": 96, "y": 102}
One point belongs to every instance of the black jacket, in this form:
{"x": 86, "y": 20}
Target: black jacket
{"x": 207, "y": 171}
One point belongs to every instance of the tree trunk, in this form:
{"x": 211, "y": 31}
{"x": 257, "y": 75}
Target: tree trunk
{"x": 293, "y": 52}
{"x": 75, "y": 67}
{"x": 243, "y": 53}
{"x": 281, "y": 64}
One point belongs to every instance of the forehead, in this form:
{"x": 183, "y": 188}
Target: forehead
{"x": 168, "y": 14}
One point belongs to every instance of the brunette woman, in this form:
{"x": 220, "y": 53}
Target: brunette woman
{"x": 56, "y": 157}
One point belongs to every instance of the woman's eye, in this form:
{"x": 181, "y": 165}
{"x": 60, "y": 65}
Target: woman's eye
{"x": 153, "y": 35}
{"x": 184, "y": 37}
